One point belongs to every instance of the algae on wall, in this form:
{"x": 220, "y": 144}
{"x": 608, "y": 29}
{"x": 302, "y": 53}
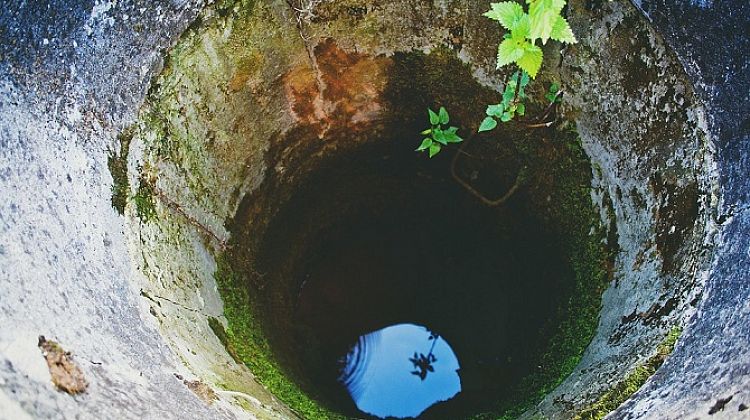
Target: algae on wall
{"x": 118, "y": 168}
{"x": 624, "y": 389}
{"x": 644, "y": 129}
{"x": 197, "y": 146}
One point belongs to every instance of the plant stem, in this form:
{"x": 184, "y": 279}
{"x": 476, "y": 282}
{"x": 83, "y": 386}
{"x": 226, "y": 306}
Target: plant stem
{"x": 473, "y": 191}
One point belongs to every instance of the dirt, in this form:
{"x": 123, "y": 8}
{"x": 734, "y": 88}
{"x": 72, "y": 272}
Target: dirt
{"x": 199, "y": 388}
{"x": 203, "y": 391}
{"x": 66, "y": 375}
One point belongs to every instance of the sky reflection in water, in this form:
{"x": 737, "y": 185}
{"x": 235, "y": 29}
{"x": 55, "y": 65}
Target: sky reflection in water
{"x": 400, "y": 371}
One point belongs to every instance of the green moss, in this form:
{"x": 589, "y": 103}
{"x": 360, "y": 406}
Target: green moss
{"x": 196, "y": 119}
{"x": 144, "y": 199}
{"x": 221, "y": 334}
{"x": 118, "y": 168}
{"x": 632, "y": 383}
{"x": 245, "y": 404}
{"x": 245, "y": 336}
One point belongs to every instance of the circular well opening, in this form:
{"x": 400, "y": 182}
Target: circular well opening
{"x": 305, "y": 159}
{"x": 376, "y": 238}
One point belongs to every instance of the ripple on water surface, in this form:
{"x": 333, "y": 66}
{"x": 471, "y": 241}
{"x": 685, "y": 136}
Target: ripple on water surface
{"x": 400, "y": 371}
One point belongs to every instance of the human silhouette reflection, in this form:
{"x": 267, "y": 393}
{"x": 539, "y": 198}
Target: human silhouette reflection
{"x": 423, "y": 364}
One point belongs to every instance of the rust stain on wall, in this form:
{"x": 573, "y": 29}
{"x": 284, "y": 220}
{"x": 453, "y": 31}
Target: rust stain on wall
{"x": 344, "y": 91}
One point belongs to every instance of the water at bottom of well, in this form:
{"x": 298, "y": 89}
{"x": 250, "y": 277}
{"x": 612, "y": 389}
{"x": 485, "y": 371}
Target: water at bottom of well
{"x": 400, "y": 371}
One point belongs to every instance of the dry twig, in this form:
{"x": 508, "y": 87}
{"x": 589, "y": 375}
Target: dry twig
{"x": 488, "y": 201}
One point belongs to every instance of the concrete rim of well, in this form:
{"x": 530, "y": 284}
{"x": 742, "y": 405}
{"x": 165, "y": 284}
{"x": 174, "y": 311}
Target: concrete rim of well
{"x": 79, "y": 279}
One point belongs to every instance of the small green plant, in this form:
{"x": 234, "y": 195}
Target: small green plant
{"x": 144, "y": 199}
{"x": 543, "y": 21}
{"x": 553, "y": 94}
{"x": 512, "y": 103}
{"x": 438, "y": 134}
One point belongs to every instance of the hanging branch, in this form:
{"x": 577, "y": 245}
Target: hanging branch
{"x": 488, "y": 201}
{"x": 540, "y": 123}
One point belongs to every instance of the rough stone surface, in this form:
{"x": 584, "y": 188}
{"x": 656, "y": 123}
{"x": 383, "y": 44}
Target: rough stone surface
{"x": 73, "y": 74}
{"x": 646, "y": 134}
{"x": 712, "y": 360}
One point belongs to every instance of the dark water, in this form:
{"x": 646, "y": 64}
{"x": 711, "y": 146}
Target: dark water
{"x": 490, "y": 290}
{"x": 399, "y": 371}
{"x": 385, "y": 255}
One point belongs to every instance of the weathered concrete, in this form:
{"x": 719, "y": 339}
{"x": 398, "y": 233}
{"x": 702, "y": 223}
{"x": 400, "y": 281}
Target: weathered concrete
{"x": 712, "y": 360}
{"x": 73, "y": 75}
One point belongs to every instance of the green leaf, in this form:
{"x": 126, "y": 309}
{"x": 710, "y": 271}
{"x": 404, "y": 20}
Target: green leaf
{"x": 542, "y": 16}
{"x": 425, "y": 144}
{"x": 524, "y": 79}
{"x": 523, "y": 28}
{"x": 434, "y": 118}
{"x": 439, "y": 136}
{"x": 552, "y": 5}
{"x": 509, "y": 51}
{"x": 435, "y": 149}
{"x": 453, "y": 138}
{"x": 561, "y": 31}
{"x": 556, "y": 5}
{"x": 426, "y": 132}
{"x": 487, "y": 124}
{"x": 508, "y": 94}
{"x": 508, "y": 13}
{"x": 521, "y": 109}
{"x": 506, "y": 117}
{"x": 495, "y": 110}
{"x": 553, "y": 88}
{"x": 444, "y": 118}
{"x": 531, "y": 60}
{"x": 541, "y": 26}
